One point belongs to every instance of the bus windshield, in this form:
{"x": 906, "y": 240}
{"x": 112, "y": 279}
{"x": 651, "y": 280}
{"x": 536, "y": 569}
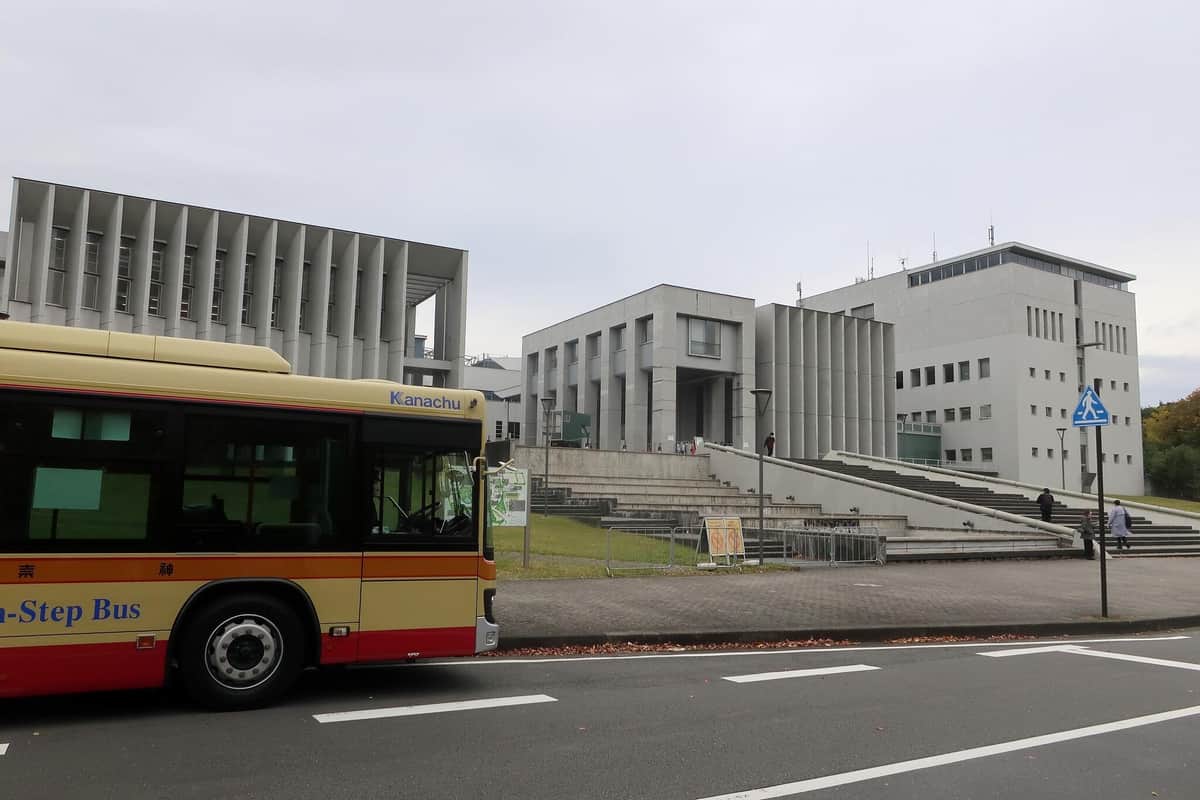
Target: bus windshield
{"x": 427, "y": 494}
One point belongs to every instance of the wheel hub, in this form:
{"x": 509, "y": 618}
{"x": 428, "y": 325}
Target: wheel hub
{"x": 243, "y": 651}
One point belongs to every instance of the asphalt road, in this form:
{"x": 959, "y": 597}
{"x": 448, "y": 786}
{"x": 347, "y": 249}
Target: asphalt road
{"x": 898, "y": 722}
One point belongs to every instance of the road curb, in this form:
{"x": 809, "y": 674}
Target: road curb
{"x": 875, "y": 634}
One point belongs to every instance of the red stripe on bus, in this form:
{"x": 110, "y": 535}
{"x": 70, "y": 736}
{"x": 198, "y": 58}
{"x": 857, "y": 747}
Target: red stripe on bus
{"x": 55, "y": 669}
{"x": 419, "y": 643}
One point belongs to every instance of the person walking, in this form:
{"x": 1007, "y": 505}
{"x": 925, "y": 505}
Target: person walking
{"x": 1087, "y": 531}
{"x": 1045, "y": 502}
{"x": 769, "y": 444}
{"x": 1119, "y": 522}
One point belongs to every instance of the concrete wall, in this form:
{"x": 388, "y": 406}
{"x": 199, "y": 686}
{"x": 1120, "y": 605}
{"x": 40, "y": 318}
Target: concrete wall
{"x": 838, "y": 493}
{"x": 610, "y": 463}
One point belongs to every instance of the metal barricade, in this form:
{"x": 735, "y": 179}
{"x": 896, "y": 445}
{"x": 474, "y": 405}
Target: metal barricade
{"x": 626, "y": 554}
{"x": 823, "y": 546}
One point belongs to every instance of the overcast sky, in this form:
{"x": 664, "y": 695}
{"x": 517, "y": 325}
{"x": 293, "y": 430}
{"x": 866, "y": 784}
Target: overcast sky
{"x": 586, "y": 151}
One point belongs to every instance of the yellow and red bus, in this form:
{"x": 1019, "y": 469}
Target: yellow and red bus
{"x": 173, "y": 509}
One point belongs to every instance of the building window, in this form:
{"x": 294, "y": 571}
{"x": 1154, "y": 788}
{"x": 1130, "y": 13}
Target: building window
{"x": 1116, "y": 459}
{"x": 248, "y": 290}
{"x": 916, "y": 416}
{"x": 645, "y": 332}
{"x": 56, "y": 279}
{"x": 358, "y": 290}
{"x": 1128, "y": 459}
{"x": 931, "y": 417}
{"x": 218, "y": 285}
{"x": 1032, "y": 372}
{"x": 1062, "y": 412}
{"x": 930, "y": 376}
{"x": 985, "y": 411}
{"x": 91, "y": 272}
{"x": 985, "y": 368}
{"x": 124, "y": 270}
{"x": 1066, "y": 454}
{"x": 947, "y": 373}
{"x": 1127, "y": 420}
{"x": 1047, "y": 374}
{"x": 305, "y": 277}
{"x": 964, "y": 413}
{"x": 1049, "y": 411}
{"x": 964, "y": 370}
{"x": 332, "y": 292}
{"x": 967, "y": 454}
{"x": 914, "y": 376}
{"x": 1033, "y": 410}
{"x": 985, "y": 454}
{"x": 1035, "y": 452}
{"x": 1062, "y": 377}
{"x": 1113, "y": 385}
{"x": 1049, "y": 452}
{"x": 949, "y": 414}
{"x": 899, "y": 379}
{"x": 704, "y": 337}
{"x": 1029, "y": 320}
{"x": 952, "y": 455}
{"x": 499, "y": 430}
{"x": 573, "y": 352}
{"x": 185, "y": 294}
{"x": 156, "y": 278}
{"x": 275, "y": 292}
{"x": 1127, "y": 386}
{"x": 902, "y": 417}
{"x": 618, "y": 339}
{"x": 514, "y": 430}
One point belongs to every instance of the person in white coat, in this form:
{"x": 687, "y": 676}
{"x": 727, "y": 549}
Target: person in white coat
{"x": 1119, "y": 524}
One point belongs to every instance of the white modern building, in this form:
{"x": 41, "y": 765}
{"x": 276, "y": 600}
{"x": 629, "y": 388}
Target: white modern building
{"x": 670, "y": 364}
{"x": 333, "y": 302}
{"x": 499, "y": 378}
{"x": 989, "y": 349}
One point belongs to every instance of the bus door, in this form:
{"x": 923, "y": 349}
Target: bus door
{"x": 421, "y": 543}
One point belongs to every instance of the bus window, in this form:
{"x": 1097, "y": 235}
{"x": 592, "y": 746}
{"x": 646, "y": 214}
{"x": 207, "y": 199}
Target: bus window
{"x": 422, "y": 499}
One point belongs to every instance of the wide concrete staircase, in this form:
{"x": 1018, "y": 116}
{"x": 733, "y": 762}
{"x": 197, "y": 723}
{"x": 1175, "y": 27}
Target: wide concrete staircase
{"x": 1147, "y": 538}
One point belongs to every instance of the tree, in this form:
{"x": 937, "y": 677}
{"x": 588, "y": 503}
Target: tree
{"x": 1172, "y": 446}
{"x": 1175, "y": 423}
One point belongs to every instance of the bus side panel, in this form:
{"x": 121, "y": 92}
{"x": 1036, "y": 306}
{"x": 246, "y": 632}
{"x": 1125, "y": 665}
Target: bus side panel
{"x": 417, "y": 606}
{"x": 79, "y": 637}
{"x": 336, "y": 601}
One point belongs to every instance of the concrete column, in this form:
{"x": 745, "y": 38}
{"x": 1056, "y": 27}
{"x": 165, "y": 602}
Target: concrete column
{"x": 589, "y": 394}
{"x": 637, "y": 388}
{"x": 824, "y": 384}
{"x": 173, "y": 271}
{"x": 797, "y": 387}
{"x": 410, "y": 332}
{"x": 455, "y": 330}
{"x": 395, "y": 322}
{"x": 372, "y": 308}
{"x": 610, "y": 393}
{"x": 438, "y": 345}
{"x": 318, "y": 302}
{"x": 40, "y": 261}
{"x": 76, "y": 243}
{"x": 850, "y": 347}
{"x": 811, "y": 385}
{"x": 264, "y": 285}
{"x": 889, "y": 391}
{"x": 714, "y": 423}
{"x": 110, "y": 249}
{"x": 777, "y": 416}
{"x": 837, "y": 383}
{"x": 10, "y": 256}
{"x": 204, "y": 270}
{"x": 235, "y": 275}
{"x": 665, "y": 355}
{"x": 864, "y": 385}
{"x": 766, "y": 354}
{"x": 343, "y": 312}
{"x": 878, "y": 430}
{"x": 290, "y": 286}
{"x": 560, "y": 382}
{"x": 139, "y": 277}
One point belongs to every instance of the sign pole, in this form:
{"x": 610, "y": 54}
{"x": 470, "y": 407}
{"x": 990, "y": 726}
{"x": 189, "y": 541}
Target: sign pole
{"x": 1100, "y": 505}
{"x": 525, "y": 547}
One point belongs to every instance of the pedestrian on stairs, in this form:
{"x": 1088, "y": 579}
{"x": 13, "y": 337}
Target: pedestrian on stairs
{"x": 1119, "y": 522}
{"x": 769, "y": 444}
{"x": 1045, "y": 502}
{"x": 1087, "y": 531}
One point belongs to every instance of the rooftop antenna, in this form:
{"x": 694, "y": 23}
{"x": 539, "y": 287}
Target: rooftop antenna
{"x": 935, "y": 246}
{"x": 799, "y": 294}
{"x": 904, "y": 263}
{"x": 991, "y": 231}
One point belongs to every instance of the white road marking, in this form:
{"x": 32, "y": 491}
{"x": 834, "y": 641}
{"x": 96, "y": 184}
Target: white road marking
{"x": 869, "y": 585}
{"x": 958, "y": 756}
{"x": 1086, "y": 651}
{"x": 494, "y": 661}
{"x": 432, "y": 708}
{"x": 797, "y": 673}
{"x": 3, "y": 748}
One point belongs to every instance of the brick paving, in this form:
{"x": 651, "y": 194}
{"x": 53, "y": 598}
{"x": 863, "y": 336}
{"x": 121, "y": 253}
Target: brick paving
{"x": 1062, "y": 594}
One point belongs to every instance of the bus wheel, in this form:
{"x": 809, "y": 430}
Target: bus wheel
{"x": 242, "y": 651}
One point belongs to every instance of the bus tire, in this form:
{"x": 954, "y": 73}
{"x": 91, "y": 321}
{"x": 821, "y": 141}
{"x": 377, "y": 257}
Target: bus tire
{"x": 241, "y": 651}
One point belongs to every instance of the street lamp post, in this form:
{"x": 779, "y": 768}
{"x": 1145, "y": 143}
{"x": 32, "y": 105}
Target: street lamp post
{"x": 1062, "y": 456}
{"x": 765, "y": 394}
{"x": 547, "y": 406}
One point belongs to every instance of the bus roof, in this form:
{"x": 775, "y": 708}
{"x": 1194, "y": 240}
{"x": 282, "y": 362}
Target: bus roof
{"x": 55, "y": 358}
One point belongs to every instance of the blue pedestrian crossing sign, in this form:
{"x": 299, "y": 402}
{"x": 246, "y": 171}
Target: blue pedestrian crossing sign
{"x": 1090, "y": 412}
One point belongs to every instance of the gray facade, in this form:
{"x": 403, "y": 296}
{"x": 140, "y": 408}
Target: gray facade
{"x": 656, "y": 368}
{"x": 334, "y": 303}
{"x": 830, "y": 382}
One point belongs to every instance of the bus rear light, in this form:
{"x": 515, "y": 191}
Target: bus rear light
{"x": 339, "y": 631}
{"x": 145, "y": 641}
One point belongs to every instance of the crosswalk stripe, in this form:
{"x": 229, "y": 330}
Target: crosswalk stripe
{"x": 798, "y": 673}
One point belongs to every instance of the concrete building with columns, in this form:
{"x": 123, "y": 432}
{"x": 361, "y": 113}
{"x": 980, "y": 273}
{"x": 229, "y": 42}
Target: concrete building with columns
{"x": 333, "y": 302}
{"x": 671, "y": 363}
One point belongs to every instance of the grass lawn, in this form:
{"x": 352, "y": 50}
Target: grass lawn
{"x": 564, "y": 548}
{"x": 1166, "y": 502}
